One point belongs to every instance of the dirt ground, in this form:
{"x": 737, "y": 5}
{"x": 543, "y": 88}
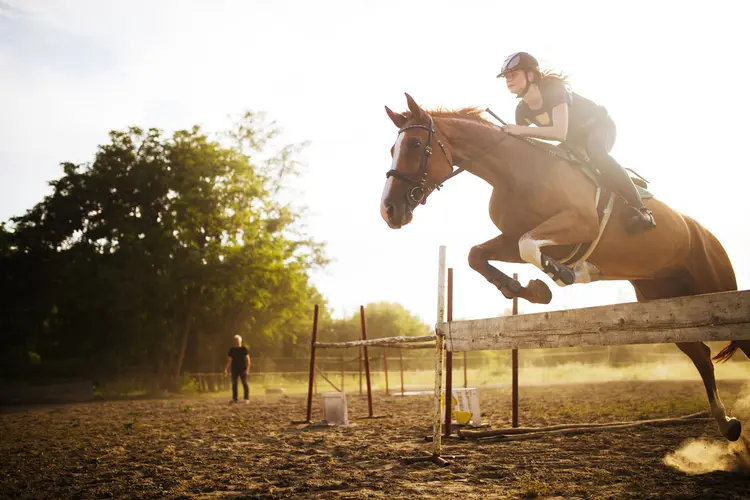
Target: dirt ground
{"x": 206, "y": 448}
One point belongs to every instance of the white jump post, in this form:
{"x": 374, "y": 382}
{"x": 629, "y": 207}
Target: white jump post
{"x": 439, "y": 352}
{"x": 437, "y": 415}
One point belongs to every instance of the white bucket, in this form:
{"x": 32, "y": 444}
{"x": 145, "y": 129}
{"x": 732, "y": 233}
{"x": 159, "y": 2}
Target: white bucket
{"x": 334, "y": 408}
{"x": 466, "y": 406}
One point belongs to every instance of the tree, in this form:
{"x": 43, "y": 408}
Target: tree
{"x": 162, "y": 243}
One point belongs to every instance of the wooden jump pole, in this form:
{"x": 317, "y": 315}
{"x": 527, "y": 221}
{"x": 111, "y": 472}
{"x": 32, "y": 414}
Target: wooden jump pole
{"x": 514, "y": 355}
{"x": 466, "y": 378}
{"x": 520, "y": 434}
{"x": 693, "y": 318}
{"x": 367, "y": 360}
{"x": 401, "y": 358}
{"x": 360, "y": 370}
{"x": 342, "y": 371}
{"x": 385, "y": 371}
{"x": 312, "y": 364}
{"x": 449, "y": 362}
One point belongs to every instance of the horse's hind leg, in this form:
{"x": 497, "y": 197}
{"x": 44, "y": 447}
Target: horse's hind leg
{"x": 505, "y": 249}
{"x": 698, "y": 352}
{"x": 745, "y": 346}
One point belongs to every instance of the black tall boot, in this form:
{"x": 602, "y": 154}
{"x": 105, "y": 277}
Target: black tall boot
{"x": 636, "y": 217}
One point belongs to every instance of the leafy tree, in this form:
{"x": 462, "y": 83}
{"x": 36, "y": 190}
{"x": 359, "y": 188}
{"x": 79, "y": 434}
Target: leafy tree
{"x": 160, "y": 250}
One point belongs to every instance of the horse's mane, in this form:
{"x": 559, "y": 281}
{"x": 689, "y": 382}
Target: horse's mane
{"x": 471, "y": 113}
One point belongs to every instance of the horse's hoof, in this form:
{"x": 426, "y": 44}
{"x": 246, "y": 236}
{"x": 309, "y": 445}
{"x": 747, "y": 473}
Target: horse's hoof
{"x": 734, "y": 429}
{"x": 540, "y": 292}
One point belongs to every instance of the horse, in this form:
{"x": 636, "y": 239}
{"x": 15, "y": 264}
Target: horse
{"x": 544, "y": 207}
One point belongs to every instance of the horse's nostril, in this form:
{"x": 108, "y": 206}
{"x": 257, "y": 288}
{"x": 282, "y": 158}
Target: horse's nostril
{"x": 389, "y": 211}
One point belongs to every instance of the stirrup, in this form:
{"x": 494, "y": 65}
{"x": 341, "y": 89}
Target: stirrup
{"x": 639, "y": 219}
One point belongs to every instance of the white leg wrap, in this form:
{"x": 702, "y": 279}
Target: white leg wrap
{"x": 531, "y": 250}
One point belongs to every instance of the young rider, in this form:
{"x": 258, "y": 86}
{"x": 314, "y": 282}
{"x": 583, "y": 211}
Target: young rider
{"x": 562, "y": 115}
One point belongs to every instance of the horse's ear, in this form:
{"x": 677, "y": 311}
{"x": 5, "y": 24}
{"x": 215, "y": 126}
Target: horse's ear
{"x": 413, "y": 106}
{"x": 397, "y": 118}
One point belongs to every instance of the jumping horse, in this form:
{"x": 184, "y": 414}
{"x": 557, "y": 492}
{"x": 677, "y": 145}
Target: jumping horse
{"x": 545, "y": 207}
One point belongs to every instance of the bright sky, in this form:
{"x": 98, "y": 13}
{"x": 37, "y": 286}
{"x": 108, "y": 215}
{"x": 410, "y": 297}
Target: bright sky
{"x": 671, "y": 73}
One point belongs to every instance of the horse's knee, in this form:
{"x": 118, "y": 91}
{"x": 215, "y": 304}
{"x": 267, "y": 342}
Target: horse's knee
{"x": 477, "y": 258}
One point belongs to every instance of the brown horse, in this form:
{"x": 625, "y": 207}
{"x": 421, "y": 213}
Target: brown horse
{"x": 541, "y": 202}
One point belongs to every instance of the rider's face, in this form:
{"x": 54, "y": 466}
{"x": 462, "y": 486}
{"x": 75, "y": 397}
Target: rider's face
{"x": 515, "y": 81}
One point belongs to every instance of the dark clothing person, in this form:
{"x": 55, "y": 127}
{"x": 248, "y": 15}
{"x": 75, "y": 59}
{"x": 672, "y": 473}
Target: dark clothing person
{"x": 239, "y": 366}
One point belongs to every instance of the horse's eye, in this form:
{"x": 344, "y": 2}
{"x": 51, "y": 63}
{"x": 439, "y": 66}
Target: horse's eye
{"x": 415, "y": 143}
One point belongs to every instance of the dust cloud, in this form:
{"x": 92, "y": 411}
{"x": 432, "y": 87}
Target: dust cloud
{"x": 700, "y": 456}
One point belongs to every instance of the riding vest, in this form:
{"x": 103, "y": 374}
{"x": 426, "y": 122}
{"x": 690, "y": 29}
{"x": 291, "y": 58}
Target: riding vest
{"x": 582, "y": 113}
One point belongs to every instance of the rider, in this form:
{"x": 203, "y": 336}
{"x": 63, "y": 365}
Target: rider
{"x": 562, "y": 115}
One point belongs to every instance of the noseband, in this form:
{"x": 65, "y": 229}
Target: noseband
{"x": 420, "y": 190}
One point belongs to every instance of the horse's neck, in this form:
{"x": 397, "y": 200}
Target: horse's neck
{"x": 478, "y": 148}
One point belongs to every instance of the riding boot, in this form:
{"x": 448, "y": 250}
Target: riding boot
{"x": 636, "y": 217}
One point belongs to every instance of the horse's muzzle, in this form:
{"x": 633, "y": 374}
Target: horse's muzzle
{"x": 396, "y": 215}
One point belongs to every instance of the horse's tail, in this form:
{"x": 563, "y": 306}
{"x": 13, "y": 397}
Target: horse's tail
{"x": 727, "y": 352}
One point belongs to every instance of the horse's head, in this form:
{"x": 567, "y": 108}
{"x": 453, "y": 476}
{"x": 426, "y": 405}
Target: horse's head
{"x": 415, "y": 172}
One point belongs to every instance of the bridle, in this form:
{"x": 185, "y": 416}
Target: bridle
{"x": 420, "y": 190}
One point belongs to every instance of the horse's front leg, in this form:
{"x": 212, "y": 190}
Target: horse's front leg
{"x": 505, "y": 249}
{"x": 569, "y": 227}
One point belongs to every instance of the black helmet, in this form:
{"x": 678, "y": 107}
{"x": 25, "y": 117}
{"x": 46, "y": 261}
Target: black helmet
{"x": 518, "y": 60}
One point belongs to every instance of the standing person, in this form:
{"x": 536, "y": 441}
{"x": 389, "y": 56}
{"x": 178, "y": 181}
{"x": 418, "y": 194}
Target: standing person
{"x": 562, "y": 115}
{"x": 239, "y": 360}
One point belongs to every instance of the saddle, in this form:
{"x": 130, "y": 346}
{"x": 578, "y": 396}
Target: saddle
{"x": 577, "y": 157}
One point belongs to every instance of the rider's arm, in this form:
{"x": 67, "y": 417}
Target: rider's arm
{"x": 558, "y": 131}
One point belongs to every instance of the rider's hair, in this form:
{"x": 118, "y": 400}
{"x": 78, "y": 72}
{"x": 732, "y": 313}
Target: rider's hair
{"x": 540, "y": 75}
